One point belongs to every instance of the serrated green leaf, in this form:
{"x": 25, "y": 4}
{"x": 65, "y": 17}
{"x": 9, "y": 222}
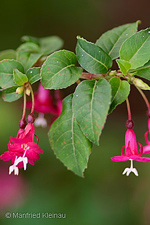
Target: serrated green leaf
{"x": 123, "y": 65}
{"x": 19, "y": 78}
{"x": 29, "y": 47}
{"x": 33, "y": 74}
{"x": 112, "y": 40}
{"x": 143, "y": 71}
{"x": 136, "y": 49}
{"x": 120, "y": 92}
{"x": 50, "y": 44}
{"x": 91, "y": 57}
{"x": 6, "y": 72}
{"x": 59, "y": 71}
{"x": 28, "y": 59}
{"x": 8, "y": 54}
{"x": 67, "y": 140}
{"x": 9, "y": 95}
{"x": 91, "y": 102}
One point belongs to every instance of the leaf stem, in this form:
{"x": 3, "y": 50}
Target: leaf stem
{"x": 108, "y": 75}
{"x": 3, "y": 89}
{"x": 128, "y": 109}
{"x": 78, "y": 81}
{"x": 90, "y": 76}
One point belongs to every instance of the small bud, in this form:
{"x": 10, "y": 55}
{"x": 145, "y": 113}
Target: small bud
{"x": 19, "y": 90}
{"x": 140, "y": 84}
{"x": 22, "y": 123}
{"x": 129, "y": 124}
{"x": 30, "y": 118}
{"x": 28, "y": 91}
{"x": 112, "y": 73}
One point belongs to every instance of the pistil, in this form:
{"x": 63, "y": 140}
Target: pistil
{"x": 127, "y": 171}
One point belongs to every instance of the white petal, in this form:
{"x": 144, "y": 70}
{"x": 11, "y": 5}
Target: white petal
{"x": 11, "y": 169}
{"x": 17, "y": 161}
{"x": 135, "y": 172}
{"x": 25, "y": 162}
{"x": 16, "y": 170}
{"x": 125, "y": 171}
{"x": 128, "y": 172}
{"x": 40, "y": 121}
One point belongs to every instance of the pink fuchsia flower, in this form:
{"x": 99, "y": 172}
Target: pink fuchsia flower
{"x": 43, "y": 101}
{"x": 58, "y": 106}
{"x": 130, "y": 152}
{"x": 44, "y": 104}
{"x": 22, "y": 149}
{"x": 146, "y": 149}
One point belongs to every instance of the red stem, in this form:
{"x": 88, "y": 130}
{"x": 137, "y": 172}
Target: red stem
{"x": 128, "y": 109}
{"x": 90, "y": 76}
{"x": 24, "y": 105}
{"x": 32, "y": 95}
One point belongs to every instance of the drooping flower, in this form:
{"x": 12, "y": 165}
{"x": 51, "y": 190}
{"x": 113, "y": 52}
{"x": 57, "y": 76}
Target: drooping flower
{"x": 22, "y": 149}
{"x": 44, "y": 104}
{"x": 130, "y": 152}
{"x": 146, "y": 149}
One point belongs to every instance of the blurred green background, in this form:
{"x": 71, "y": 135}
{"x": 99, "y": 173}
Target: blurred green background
{"x": 104, "y": 196}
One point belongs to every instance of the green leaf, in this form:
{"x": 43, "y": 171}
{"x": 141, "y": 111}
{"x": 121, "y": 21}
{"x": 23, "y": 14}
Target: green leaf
{"x": 33, "y": 74}
{"x": 47, "y": 44}
{"x": 120, "y": 91}
{"x": 29, "y": 47}
{"x": 50, "y": 44}
{"x": 19, "y": 78}
{"x": 59, "y": 71}
{"x": 91, "y": 102}
{"x": 123, "y": 65}
{"x": 112, "y": 40}
{"x": 27, "y": 38}
{"x": 6, "y": 72}
{"x": 136, "y": 49}
{"x": 143, "y": 71}
{"x": 28, "y": 59}
{"x": 9, "y": 95}
{"x": 91, "y": 57}
{"x": 67, "y": 140}
{"x": 7, "y": 54}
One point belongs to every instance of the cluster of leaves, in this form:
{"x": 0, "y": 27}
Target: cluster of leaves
{"x": 21, "y": 66}
{"x": 99, "y": 92}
